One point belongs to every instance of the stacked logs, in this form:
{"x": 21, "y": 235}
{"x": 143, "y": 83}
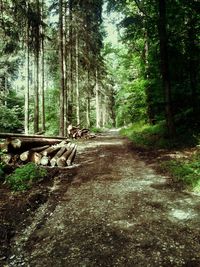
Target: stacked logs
{"x": 76, "y": 132}
{"x": 41, "y": 151}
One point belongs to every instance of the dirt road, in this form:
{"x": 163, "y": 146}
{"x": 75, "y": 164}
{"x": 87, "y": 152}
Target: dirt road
{"x": 116, "y": 212}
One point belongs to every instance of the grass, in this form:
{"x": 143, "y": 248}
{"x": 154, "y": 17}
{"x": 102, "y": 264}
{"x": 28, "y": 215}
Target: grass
{"x": 147, "y": 136}
{"x": 24, "y": 177}
{"x": 185, "y": 171}
{"x": 97, "y": 130}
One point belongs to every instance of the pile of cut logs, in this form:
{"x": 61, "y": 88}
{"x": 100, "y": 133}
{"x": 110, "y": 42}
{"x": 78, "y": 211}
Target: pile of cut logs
{"x": 46, "y": 151}
{"x": 75, "y": 132}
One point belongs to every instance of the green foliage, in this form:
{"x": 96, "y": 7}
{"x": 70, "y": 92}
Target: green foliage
{"x": 185, "y": 171}
{"x": 22, "y": 178}
{"x": 52, "y": 117}
{"x": 96, "y": 130}
{"x": 2, "y": 165}
{"x": 149, "y": 136}
{"x": 11, "y": 119}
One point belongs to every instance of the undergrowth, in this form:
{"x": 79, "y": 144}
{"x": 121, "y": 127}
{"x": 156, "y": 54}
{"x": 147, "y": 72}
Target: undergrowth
{"x": 23, "y": 178}
{"x": 97, "y": 130}
{"x": 184, "y": 171}
{"x": 148, "y": 136}
{"x": 156, "y": 136}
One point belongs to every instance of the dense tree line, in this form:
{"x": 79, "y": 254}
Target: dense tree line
{"x": 161, "y": 55}
{"x": 55, "y": 70}
{"x": 54, "y": 49}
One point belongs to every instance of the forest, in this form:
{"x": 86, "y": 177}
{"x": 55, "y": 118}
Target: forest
{"x": 99, "y": 133}
{"x": 58, "y": 67}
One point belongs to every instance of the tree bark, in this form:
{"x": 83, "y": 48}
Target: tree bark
{"x": 43, "y": 76}
{"x": 97, "y": 101}
{"x": 193, "y": 66}
{"x": 77, "y": 82}
{"x": 58, "y": 155}
{"x": 88, "y": 111}
{"x": 37, "y": 56}
{"x": 70, "y": 64}
{"x": 62, "y": 83}
{"x": 165, "y": 68}
{"x": 61, "y": 162}
{"x": 27, "y": 89}
{"x": 71, "y": 157}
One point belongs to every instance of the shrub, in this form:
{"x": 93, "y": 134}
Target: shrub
{"x": 22, "y": 178}
{"x": 145, "y": 135}
{"x": 185, "y": 171}
{"x": 97, "y": 130}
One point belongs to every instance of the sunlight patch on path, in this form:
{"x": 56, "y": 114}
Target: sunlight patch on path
{"x": 182, "y": 214}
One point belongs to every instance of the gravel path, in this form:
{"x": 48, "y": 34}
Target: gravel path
{"x": 116, "y": 212}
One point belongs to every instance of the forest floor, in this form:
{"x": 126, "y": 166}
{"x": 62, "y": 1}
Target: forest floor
{"x": 112, "y": 208}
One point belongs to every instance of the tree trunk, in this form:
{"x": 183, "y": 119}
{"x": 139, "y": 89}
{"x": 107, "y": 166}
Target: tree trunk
{"x": 192, "y": 49}
{"x": 43, "y": 76}
{"x": 62, "y": 84}
{"x": 70, "y": 65}
{"x": 27, "y": 88}
{"x": 149, "y": 96}
{"x": 77, "y": 82}
{"x": 36, "y": 94}
{"x": 97, "y": 101}
{"x": 165, "y": 67}
{"x": 65, "y": 65}
{"x": 88, "y": 111}
{"x": 37, "y": 56}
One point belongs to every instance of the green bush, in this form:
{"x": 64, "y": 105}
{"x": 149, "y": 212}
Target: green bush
{"x": 145, "y": 135}
{"x": 22, "y": 178}
{"x": 96, "y": 130}
{"x": 185, "y": 171}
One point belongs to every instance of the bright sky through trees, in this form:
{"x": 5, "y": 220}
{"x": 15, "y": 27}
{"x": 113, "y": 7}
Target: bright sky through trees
{"x": 110, "y": 23}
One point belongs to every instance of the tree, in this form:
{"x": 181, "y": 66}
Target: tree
{"x": 62, "y": 79}
{"x": 165, "y": 67}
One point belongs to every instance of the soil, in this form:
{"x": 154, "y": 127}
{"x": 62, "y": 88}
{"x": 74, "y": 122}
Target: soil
{"x": 111, "y": 209}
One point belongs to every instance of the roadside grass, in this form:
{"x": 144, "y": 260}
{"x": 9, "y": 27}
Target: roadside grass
{"x": 24, "y": 177}
{"x": 97, "y": 130}
{"x": 183, "y": 170}
{"x": 147, "y": 136}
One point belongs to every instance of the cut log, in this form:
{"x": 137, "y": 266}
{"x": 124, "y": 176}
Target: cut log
{"x": 11, "y": 135}
{"x": 50, "y": 150}
{"x": 35, "y": 157}
{"x": 61, "y": 162}
{"x": 30, "y": 143}
{"x": 44, "y": 161}
{"x": 6, "y": 158}
{"x": 76, "y": 132}
{"x": 16, "y": 143}
{"x": 4, "y": 147}
{"x": 58, "y": 155}
{"x": 24, "y": 156}
{"x": 72, "y": 156}
{"x": 39, "y": 149}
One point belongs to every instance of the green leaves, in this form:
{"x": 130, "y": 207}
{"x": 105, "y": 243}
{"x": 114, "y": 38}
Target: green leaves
{"x": 22, "y": 178}
{"x": 185, "y": 171}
